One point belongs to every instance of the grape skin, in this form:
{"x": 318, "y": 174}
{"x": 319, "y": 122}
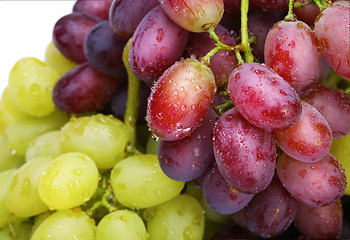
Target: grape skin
{"x": 98, "y": 8}
{"x": 244, "y": 153}
{"x": 314, "y": 183}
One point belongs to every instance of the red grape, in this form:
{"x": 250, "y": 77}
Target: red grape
{"x": 98, "y": 8}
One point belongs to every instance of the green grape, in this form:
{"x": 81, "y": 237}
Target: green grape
{"x": 16, "y": 231}
{"x": 5, "y": 215}
{"x": 138, "y": 182}
{"x": 9, "y": 159}
{"x": 46, "y": 144}
{"x": 56, "y": 60}
{"x": 22, "y": 195}
{"x": 71, "y": 224}
{"x": 69, "y": 181}
{"x": 10, "y": 106}
{"x": 31, "y": 82}
{"x": 152, "y": 146}
{"x": 25, "y": 129}
{"x": 38, "y": 220}
{"x": 341, "y": 150}
{"x": 5, "y": 118}
{"x": 121, "y": 225}
{"x": 208, "y": 212}
{"x": 103, "y": 138}
{"x": 180, "y": 218}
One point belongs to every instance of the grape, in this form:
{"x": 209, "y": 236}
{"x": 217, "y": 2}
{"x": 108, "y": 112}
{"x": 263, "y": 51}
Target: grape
{"x": 180, "y": 99}
{"x": 72, "y": 178}
{"x": 24, "y": 130}
{"x": 188, "y": 158}
{"x": 319, "y": 222}
{"x": 121, "y": 10}
{"x": 263, "y": 97}
{"x": 220, "y": 196}
{"x": 22, "y": 194}
{"x": 341, "y": 150}
{"x": 72, "y": 224}
{"x": 310, "y": 139}
{"x": 9, "y": 159}
{"x": 221, "y": 63}
{"x": 58, "y": 61}
{"x": 232, "y": 6}
{"x": 5, "y": 215}
{"x": 69, "y": 35}
{"x": 123, "y": 223}
{"x": 271, "y": 5}
{"x": 314, "y": 183}
{"x": 180, "y": 218}
{"x": 334, "y": 105}
{"x": 103, "y": 138}
{"x": 192, "y": 15}
{"x": 38, "y": 220}
{"x": 83, "y": 89}
{"x": 16, "y": 231}
{"x": 245, "y": 154}
{"x": 30, "y": 86}
{"x": 138, "y": 182}
{"x": 9, "y": 105}
{"x": 47, "y": 144}
{"x": 291, "y": 51}
{"x": 6, "y": 118}
{"x": 271, "y": 211}
{"x": 156, "y": 44}
{"x": 307, "y": 13}
{"x": 332, "y": 30}
{"x": 103, "y": 50}
{"x": 231, "y": 232}
{"x": 98, "y": 8}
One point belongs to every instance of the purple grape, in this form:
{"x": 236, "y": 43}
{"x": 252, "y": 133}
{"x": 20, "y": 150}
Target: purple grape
{"x": 188, "y": 158}
{"x": 291, "y": 51}
{"x": 310, "y": 139}
{"x": 69, "y": 35}
{"x": 156, "y": 45}
{"x": 314, "y": 183}
{"x": 220, "y": 196}
{"x": 104, "y": 49}
{"x": 263, "y": 97}
{"x": 332, "y": 30}
{"x": 97, "y": 8}
{"x": 119, "y": 16}
{"x": 223, "y": 62}
{"x": 319, "y": 222}
{"x": 307, "y": 13}
{"x": 232, "y": 6}
{"x": 245, "y": 154}
{"x": 83, "y": 89}
{"x": 180, "y": 100}
{"x": 271, "y": 5}
{"x": 270, "y": 212}
{"x": 231, "y": 231}
{"x": 334, "y": 105}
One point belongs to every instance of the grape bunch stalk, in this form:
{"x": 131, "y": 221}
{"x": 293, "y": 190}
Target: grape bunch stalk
{"x": 194, "y": 119}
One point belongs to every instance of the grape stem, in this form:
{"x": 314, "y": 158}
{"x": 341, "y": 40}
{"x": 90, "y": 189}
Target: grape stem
{"x": 221, "y": 109}
{"x": 321, "y": 4}
{"x": 248, "y": 56}
{"x": 133, "y": 102}
{"x": 290, "y": 16}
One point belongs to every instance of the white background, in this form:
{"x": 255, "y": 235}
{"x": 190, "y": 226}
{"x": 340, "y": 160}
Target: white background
{"x": 26, "y": 30}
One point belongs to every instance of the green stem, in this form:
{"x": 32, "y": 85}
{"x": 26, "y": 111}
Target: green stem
{"x": 133, "y": 102}
{"x": 290, "y": 16}
{"x": 244, "y": 32}
{"x": 299, "y": 4}
{"x": 239, "y": 58}
{"x": 319, "y": 4}
{"x": 221, "y": 109}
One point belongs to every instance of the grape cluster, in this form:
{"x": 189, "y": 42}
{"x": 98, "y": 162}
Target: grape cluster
{"x": 196, "y": 119}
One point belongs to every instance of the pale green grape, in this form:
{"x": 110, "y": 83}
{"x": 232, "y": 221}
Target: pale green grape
{"x": 341, "y": 150}
{"x": 5, "y": 118}
{"x": 69, "y": 181}
{"x": 181, "y": 218}
{"x": 10, "y": 106}
{"x": 101, "y": 137}
{"x": 22, "y": 195}
{"x": 16, "y": 231}
{"x": 31, "y": 83}
{"x": 5, "y": 215}
{"x": 46, "y": 144}
{"x": 38, "y": 220}
{"x": 139, "y": 182}
{"x": 9, "y": 159}
{"x": 121, "y": 225}
{"x": 56, "y": 60}
{"x": 25, "y": 129}
{"x": 72, "y": 224}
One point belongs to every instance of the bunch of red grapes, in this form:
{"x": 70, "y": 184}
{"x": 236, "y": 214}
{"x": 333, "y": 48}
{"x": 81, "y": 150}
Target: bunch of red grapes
{"x": 239, "y": 103}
